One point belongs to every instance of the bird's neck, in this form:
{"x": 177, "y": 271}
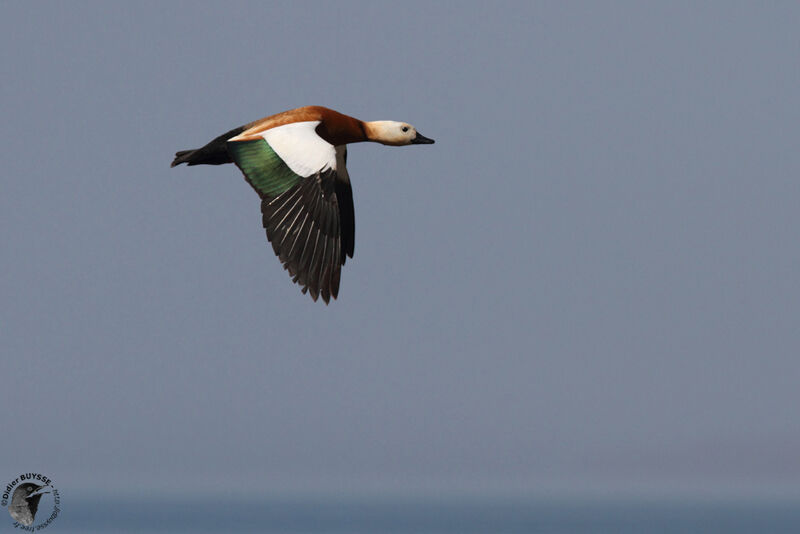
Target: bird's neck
{"x": 377, "y": 132}
{"x": 339, "y": 129}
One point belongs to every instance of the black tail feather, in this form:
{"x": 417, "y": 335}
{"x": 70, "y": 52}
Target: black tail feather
{"x": 183, "y": 156}
{"x": 214, "y": 153}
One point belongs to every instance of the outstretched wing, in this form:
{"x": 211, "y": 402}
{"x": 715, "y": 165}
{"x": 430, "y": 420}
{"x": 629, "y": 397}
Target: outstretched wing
{"x": 306, "y": 201}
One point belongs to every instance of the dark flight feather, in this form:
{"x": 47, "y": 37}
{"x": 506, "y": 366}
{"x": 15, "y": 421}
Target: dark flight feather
{"x": 305, "y": 225}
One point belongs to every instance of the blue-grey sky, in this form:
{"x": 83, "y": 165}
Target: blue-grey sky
{"x": 592, "y": 279}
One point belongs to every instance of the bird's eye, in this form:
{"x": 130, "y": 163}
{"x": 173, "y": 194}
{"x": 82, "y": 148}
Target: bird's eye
{"x": 405, "y": 128}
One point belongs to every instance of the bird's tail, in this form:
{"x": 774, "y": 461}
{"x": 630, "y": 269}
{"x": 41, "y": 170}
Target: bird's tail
{"x": 183, "y": 156}
{"x": 214, "y": 153}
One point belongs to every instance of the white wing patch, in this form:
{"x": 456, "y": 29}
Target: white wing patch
{"x": 299, "y": 146}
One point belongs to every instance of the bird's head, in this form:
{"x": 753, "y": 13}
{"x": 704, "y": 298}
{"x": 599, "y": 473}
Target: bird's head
{"x": 395, "y": 133}
{"x": 27, "y": 491}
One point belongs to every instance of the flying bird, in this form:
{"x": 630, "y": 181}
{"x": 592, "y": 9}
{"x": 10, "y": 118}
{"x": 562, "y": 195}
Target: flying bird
{"x": 295, "y": 161}
{"x": 25, "y": 502}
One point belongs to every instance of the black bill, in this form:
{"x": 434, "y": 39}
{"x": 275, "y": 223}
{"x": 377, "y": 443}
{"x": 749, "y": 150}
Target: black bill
{"x": 422, "y": 140}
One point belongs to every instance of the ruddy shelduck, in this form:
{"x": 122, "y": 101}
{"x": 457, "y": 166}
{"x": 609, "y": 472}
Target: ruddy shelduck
{"x": 295, "y": 161}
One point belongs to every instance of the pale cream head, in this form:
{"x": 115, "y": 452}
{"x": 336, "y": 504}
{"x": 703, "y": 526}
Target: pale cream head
{"x": 394, "y": 133}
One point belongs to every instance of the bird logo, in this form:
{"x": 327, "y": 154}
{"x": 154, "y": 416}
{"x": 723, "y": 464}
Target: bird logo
{"x": 23, "y": 497}
{"x": 25, "y": 502}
